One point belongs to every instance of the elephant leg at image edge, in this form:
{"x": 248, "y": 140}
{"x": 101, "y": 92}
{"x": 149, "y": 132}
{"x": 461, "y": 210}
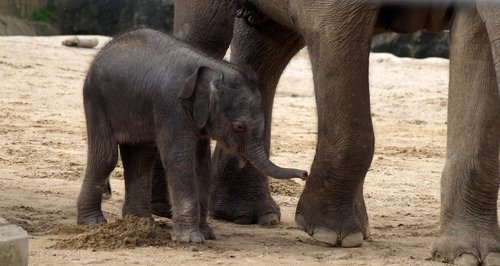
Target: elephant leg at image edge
{"x": 469, "y": 232}
{"x": 331, "y": 208}
{"x": 102, "y": 156}
{"x": 242, "y": 195}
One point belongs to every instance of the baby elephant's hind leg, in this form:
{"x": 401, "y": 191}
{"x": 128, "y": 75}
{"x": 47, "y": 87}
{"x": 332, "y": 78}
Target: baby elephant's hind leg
{"x": 138, "y": 163}
{"x": 101, "y": 160}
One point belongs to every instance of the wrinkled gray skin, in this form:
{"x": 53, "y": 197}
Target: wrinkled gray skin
{"x": 157, "y": 98}
{"x": 338, "y": 34}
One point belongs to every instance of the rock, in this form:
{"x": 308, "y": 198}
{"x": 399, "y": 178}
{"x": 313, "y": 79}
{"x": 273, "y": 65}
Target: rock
{"x": 13, "y": 244}
{"x": 81, "y": 42}
{"x": 421, "y": 44}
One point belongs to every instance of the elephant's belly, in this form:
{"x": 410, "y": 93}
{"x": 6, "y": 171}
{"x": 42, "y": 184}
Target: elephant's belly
{"x": 135, "y": 136}
{"x": 137, "y": 130}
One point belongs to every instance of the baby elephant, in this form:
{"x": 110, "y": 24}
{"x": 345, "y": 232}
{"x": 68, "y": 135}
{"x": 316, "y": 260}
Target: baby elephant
{"x": 149, "y": 93}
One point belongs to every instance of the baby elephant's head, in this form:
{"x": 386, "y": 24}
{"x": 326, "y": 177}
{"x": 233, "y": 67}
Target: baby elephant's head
{"x": 228, "y": 106}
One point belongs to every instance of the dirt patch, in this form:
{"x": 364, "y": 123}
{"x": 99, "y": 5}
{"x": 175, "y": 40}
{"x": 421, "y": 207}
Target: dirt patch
{"x": 424, "y": 152}
{"x": 33, "y": 220}
{"x": 128, "y": 232}
{"x": 285, "y": 187}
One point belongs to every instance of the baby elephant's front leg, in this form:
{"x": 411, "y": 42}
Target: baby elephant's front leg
{"x": 183, "y": 192}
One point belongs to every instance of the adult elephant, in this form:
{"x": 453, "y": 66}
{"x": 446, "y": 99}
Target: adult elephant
{"x": 267, "y": 34}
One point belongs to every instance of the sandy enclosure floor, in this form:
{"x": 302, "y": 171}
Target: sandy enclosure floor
{"x": 43, "y": 152}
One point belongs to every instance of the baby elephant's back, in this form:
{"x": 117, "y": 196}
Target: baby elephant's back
{"x": 129, "y": 76}
{"x": 141, "y": 42}
{"x": 139, "y": 58}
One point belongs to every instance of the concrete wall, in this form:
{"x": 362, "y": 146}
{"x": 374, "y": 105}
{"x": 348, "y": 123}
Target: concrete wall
{"x": 13, "y": 244}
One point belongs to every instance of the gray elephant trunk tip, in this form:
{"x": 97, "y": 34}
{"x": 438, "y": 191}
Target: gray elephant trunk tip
{"x": 293, "y": 173}
{"x": 259, "y": 160}
{"x": 305, "y": 175}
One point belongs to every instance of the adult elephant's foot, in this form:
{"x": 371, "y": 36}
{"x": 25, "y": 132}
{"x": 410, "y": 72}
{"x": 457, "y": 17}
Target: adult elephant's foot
{"x": 241, "y": 195}
{"x": 331, "y": 220}
{"x": 468, "y": 245}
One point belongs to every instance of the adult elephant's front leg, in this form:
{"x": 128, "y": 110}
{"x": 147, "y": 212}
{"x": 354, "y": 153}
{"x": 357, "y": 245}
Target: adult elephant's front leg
{"x": 469, "y": 232}
{"x": 242, "y": 195}
{"x": 331, "y": 208}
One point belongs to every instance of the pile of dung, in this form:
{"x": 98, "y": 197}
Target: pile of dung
{"x": 285, "y": 187}
{"x": 129, "y": 232}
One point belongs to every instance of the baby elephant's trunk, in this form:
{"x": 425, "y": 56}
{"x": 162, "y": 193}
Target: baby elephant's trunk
{"x": 258, "y": 158}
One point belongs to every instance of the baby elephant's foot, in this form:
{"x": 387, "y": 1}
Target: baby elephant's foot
{"x": 188, "y": 235}
{"x": 91, "y": 219}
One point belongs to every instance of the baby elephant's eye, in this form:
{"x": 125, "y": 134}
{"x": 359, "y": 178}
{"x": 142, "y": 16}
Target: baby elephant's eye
{"x": 239, "y": 127}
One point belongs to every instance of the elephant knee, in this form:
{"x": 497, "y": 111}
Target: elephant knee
{"x": 353, "y": 153}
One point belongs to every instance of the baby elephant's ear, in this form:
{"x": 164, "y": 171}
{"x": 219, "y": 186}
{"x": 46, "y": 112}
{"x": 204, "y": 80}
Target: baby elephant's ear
{"x": 198, "y": 88}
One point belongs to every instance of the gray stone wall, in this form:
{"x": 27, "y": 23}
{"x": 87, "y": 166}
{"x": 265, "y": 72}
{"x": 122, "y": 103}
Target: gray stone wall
{"x": 21, "y": 8}
{"x": 109, "y": 17}
{"x": 10, "y": 25}
{"x": 16, "y": 18}
{"x": 103, "y": 17}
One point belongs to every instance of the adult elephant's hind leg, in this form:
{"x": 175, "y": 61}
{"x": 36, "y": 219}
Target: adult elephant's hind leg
{"x": 469, "y": 232}
{"x": 242, "y": 195}
{"x": 331, "y": 209}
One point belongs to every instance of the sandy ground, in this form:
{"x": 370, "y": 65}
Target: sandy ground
{"x": 43, "y": 152}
